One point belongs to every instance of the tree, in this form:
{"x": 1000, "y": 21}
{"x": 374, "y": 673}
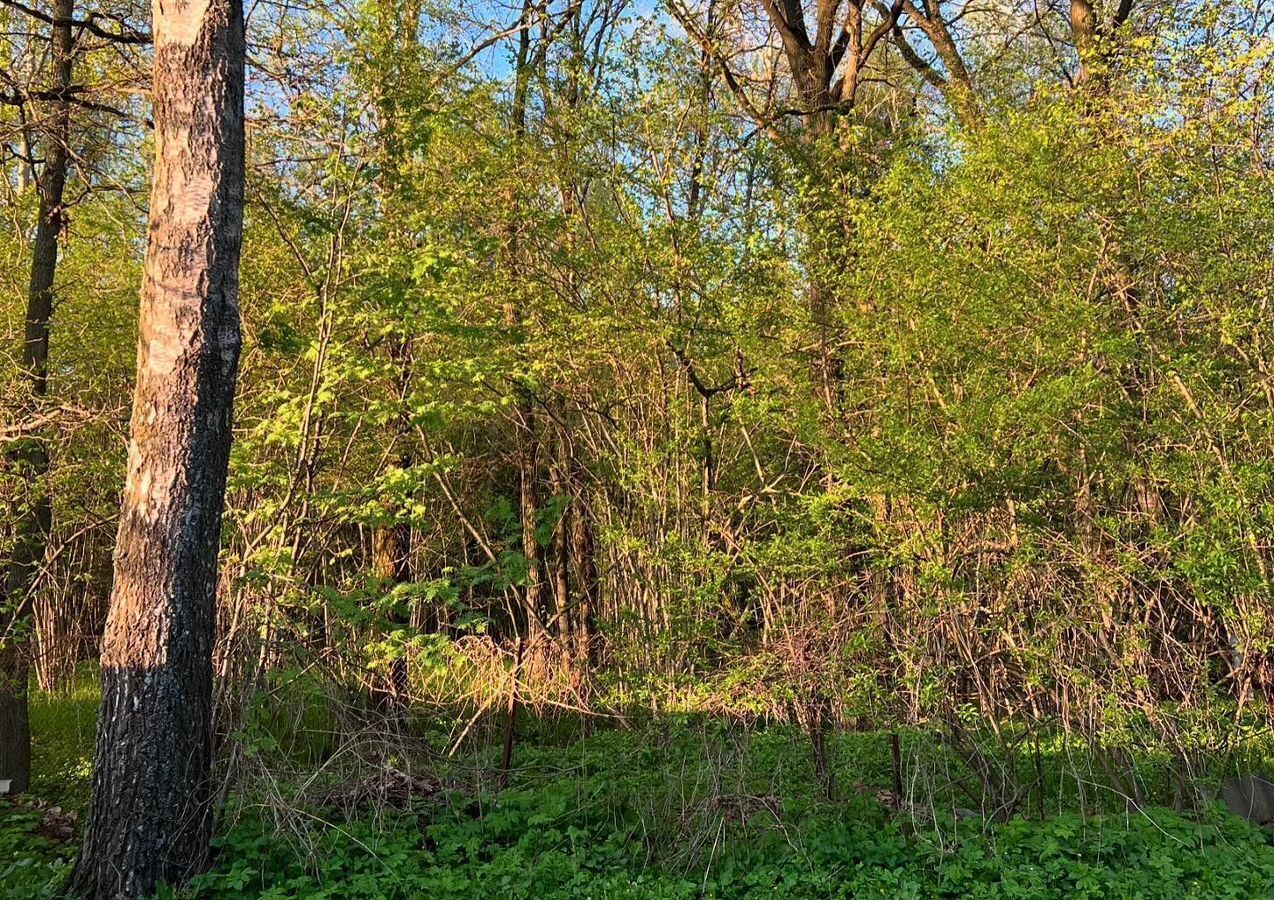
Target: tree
{"x": 1093, "y": 37}
{"x": 35, "y": 514}
{"x": 150, "y": 815}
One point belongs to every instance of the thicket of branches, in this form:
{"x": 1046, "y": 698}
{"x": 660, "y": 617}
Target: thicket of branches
{"x": 840, "y": 363}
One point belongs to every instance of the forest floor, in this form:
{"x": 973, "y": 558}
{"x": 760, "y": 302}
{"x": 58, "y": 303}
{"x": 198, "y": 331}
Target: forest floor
{"x": 667, "y": 808}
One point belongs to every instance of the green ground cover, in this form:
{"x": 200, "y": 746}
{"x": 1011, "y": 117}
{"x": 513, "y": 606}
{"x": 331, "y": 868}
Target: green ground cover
{"x": 681, "y": 808}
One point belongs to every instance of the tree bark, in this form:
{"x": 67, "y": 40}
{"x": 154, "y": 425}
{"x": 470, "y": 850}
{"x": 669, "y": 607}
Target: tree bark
{"x": 562, "y": 613}
{"x": 1093, "y": 38}
{"x": 391, "y": 562}
{"x": 586, "y": 583}
{"x": 34, "y": 518}
{"x": 150, "y": 816}
{"x": 528, "y": 511}
{"x": 526, "y": 441}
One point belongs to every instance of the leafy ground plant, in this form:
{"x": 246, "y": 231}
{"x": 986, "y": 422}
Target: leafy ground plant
{"x": 669, "y": 808}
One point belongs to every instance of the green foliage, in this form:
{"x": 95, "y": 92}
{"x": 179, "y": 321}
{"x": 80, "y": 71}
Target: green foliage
{"x": 627, "y": 817}
{"x": 34, "y": 862}
{"x": 875, "y": 419}
{"x": 680, "y": 807}
{"x": 63, "y": 727}
{"x": 31, "y": 865}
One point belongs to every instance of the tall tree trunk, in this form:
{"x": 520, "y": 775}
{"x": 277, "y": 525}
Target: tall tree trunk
{"x": 526, "y": 441}
{"x": 397, "y": 24}
{"x": 31, "y": 457}
{"x": 150, "y": 817}
{"x": 391, "y": 561}
{"x": 562, "y": 614}
{"x": 586, "y": 585}
{"x": 528, "y": 506}
{"x": 1094, "y": 38}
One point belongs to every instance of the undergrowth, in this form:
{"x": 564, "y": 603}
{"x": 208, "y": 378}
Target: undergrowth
{"x": 534, "y": 846}
{"x": 666, "y": 808}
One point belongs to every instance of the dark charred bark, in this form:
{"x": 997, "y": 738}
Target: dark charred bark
{"x": 30, "y": 457}
{"x": 150, "y": 816}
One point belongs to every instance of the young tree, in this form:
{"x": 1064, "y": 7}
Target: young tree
{"x": 31, "y": 456}
{"x": 150, "y": 815}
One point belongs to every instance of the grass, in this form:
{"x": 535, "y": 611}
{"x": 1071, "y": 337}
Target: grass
{"x": 62, "y": 728}
{"x": 683, "y": 807}
{"x": 33, "y": 860}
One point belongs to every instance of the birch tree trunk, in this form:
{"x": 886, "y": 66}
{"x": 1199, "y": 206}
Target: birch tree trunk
{"x": 150, "y": 816}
